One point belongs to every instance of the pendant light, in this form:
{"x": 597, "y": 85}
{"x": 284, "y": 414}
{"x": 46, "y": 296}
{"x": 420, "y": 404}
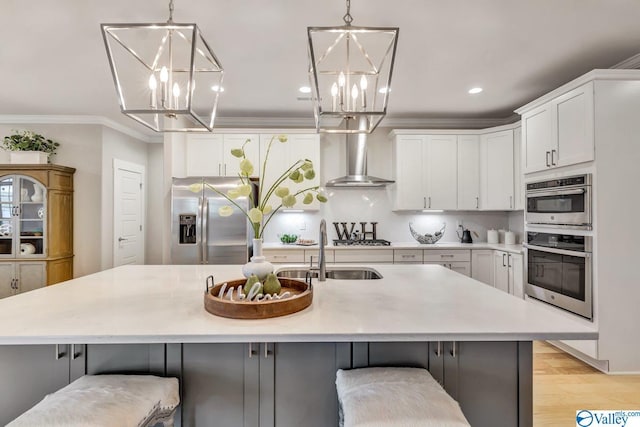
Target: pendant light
{"x": 166, "y": 75}
{"x": 350, "y": 71}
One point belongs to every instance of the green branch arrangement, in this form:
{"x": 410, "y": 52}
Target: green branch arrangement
{"x": 262, "y": 210}
{"x": 27, "y": 140}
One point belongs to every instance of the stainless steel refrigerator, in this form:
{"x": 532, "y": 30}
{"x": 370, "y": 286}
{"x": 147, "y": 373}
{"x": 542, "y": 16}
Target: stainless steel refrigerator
{"x": 198, "y": 234}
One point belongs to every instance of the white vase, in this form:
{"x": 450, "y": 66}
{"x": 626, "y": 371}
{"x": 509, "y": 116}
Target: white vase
{"x": 258, "y": 264}
{"x": 28, "y": 157}
{"x": 37, "y": 195}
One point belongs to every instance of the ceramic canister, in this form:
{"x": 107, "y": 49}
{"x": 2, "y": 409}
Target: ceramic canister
{"x": 509, "y": 238}
{"x": 492, "y": 236}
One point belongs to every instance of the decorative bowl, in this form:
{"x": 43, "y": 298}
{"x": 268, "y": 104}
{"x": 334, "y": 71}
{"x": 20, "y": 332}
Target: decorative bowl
{"x": 427, "y": 238}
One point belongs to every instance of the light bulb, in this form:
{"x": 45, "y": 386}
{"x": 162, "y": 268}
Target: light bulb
{"x": 363, "y": 83}
{"x": 153, "y": 84}
{"x": 341, "y": 79}
{"x": 354, "y": 92}
{"x": 164, "y": 75}
{"x": 334, "y": 90}
{"x": 176, "y": 90}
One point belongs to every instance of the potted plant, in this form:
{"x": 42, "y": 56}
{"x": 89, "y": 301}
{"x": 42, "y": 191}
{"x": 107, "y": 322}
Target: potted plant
{"x": 265, "y": 202}
{"x": 29, "y": 147}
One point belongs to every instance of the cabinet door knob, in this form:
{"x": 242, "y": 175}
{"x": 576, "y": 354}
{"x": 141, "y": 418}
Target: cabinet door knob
{"x": 477, "y": 203}
{"x": 548, "y": 165}
{"x": 453, "y": 349}
{"x": 252, "y": 352}
{"x": 438, "y": 351}
{"x": 553, "y": 152}
{"x": 503, "y": 262}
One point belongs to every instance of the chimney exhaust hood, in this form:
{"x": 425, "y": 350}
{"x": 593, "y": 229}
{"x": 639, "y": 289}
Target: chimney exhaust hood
{"x": 357, "y": 177}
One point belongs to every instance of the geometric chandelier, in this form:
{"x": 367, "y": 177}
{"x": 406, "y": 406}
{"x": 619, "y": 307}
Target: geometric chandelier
{"x": 350, "y": 72}
{"x": 166, "y": 75}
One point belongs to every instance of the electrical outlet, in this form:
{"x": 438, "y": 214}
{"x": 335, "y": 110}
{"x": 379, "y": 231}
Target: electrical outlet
{"x": 459, "y": 224}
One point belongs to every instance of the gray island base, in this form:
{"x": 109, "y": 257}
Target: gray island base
{"x": 474, "y": 339}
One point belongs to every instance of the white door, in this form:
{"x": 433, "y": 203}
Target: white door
{"x": 128, "y": 213}
{"x": 205, "y": 155}
{"x": 442, "y": 170}
{"x": 574, "y": 126}
{"x": 409, "y": 159}
{"x": 501, "y": 272}
{"x": 468, "y": 172}
{"x": 482, "y": 266}
{"x": 499, "y": 170}
{"x": 231, "y": 164}
{"x": 31, "y": 275}
{"x": 537, "y": 138}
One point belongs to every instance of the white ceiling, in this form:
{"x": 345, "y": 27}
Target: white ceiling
{"x": 53, "y": 61}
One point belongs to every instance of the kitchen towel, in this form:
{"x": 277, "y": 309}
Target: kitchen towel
{"x": 390, "y": 397}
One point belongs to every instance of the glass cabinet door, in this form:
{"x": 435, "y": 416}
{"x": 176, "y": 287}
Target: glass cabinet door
{"x": 31, "y": 218}
{"x": 7, "y": 215}
{"x": 23, "y": 217}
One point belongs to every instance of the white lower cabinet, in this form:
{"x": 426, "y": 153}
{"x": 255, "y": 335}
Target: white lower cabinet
{"x": 509, "y": 275}
{"x": 17, "y": 277}
{"x": 283, "y": 256}
{"x": 482, "y": 265}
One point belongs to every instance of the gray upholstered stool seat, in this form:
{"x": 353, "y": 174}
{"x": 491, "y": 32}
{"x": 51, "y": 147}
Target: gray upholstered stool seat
{"x": 407, "y": 397}
{"x": 107, "y": 400}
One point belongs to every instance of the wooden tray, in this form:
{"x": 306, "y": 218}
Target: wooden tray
{"x": 302, "y": 295}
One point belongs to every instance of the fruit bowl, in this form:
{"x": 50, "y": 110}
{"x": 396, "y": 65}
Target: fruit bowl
{"x": 428, "y": 239}
{"x": 301, "y": 298}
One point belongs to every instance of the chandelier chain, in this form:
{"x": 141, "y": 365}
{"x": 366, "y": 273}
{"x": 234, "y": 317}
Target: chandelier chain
{"x": 348, "y": 19}
{"x": 170, "y": 11}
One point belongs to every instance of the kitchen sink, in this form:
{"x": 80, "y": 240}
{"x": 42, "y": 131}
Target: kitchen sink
{"x": 337, "y": 273}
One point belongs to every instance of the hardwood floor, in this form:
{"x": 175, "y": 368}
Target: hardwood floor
{"x": 563, "y": 384}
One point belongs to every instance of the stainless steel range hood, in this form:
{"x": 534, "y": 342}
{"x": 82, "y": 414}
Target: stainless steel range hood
{"x": 357, "y": 166}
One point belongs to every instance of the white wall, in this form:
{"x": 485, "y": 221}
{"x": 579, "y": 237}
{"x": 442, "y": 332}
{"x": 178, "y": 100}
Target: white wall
{"x": 115, "y": 145}
{"x": 155, "y": 203}
{"x": 80, "y": 148}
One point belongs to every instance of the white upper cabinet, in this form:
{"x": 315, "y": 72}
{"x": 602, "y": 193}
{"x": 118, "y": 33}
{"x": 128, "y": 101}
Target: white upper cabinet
{"x": 231, "y": 166}
{"x": 442, "y": 172}
{"x": 425, "y": 171}
{"x": 573, "y": 124}
{"x": 518, "y": 181}
{"x": 560, "y": 132}
{"x": 283, "y": 155}
{"x": 210, "y": 154}
{"x": 496, "y": 170}
{"x": 408, "y": 172}
{"x": 468, "y": 172}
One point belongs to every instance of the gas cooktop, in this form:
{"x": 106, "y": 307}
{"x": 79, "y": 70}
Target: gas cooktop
{"x": 370, "y": 242}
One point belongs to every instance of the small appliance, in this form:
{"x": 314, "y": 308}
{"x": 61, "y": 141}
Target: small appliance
{"x": 560, "y": 203}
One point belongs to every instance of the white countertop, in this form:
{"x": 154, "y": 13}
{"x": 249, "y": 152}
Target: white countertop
{"x": 164, "y": 303}
{"x": 407, "y": 245}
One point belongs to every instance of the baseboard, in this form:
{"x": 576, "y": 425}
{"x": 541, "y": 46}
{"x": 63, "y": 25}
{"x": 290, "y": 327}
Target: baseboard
{"x": 601, "y": 365}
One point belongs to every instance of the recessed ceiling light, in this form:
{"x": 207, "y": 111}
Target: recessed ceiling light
{"x": 305, "y": 89}
{"x": 475, "y": 90}
{"x": 217, "y": 88}
{"x": 384, "y": 90}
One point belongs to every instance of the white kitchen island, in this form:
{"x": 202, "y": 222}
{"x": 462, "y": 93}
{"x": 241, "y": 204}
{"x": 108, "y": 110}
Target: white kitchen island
{"x": 475, "y": 339}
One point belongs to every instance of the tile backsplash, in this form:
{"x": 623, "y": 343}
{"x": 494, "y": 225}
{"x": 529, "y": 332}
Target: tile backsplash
{"x": 374, "y": 205}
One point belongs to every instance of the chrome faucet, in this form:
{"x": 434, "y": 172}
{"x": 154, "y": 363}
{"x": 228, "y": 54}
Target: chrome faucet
{"x": 322, "y": 261}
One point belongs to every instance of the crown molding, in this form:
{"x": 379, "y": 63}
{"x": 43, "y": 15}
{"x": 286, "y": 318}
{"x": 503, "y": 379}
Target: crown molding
{"x": 77, "y": 120}
{"x": 597, "y": 74}
{"x": 632, "y": 63}
{"x": 444, "y": 123}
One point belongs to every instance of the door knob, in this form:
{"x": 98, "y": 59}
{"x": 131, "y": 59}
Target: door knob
{"x": 121, "y": 239}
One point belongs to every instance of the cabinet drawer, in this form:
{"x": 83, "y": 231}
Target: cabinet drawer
{"x": 315, "y": 253}
{"x": 407, "y": 255}
{"x": 284, "y": 256}
{"x": 439, "y": 255}
{"x": 364, "y": 255}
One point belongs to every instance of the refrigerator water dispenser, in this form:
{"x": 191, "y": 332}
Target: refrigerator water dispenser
{"x": 187, "y": 224}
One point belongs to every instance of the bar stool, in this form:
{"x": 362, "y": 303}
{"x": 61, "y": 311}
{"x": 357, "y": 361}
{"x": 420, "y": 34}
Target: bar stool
{"x": 407, "y": 397}
{"x": 107, "y": 400}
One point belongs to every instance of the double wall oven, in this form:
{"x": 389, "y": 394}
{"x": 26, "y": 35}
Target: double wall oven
{"x": 558, "y": 261}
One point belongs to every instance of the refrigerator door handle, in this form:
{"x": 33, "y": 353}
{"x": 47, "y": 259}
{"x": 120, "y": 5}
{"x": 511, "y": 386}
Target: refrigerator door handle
{"x": 200, "y": 226}
{"x": 205, "y": 231}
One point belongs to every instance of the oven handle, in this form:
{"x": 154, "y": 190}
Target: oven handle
{"x": 558, "y": 251}
{"x": 532, "y": 193}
